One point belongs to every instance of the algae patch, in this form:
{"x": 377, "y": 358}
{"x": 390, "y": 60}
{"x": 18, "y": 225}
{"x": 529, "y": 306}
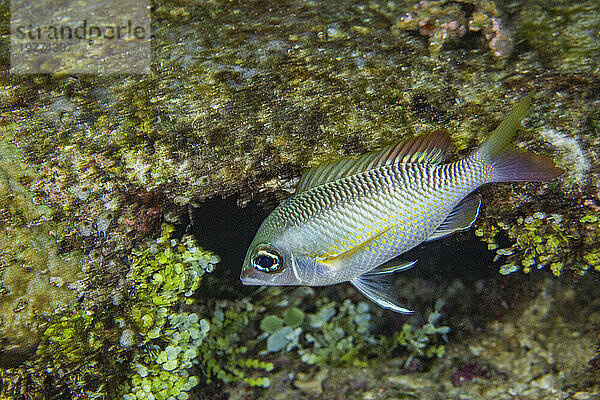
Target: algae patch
{"x": 37, "y": 279}
{"x": 566, "y": 35}
{"x": 556, "y": 241}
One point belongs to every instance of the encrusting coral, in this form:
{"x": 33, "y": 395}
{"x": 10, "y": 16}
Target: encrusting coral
{"x": 443, "y": 22}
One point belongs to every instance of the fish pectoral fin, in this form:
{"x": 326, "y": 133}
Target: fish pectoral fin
{"x": 338, "y": 260}
{"x": 391, "y": 267}
{"x": 461, "y": 217}
{"x": 379, "y": 288}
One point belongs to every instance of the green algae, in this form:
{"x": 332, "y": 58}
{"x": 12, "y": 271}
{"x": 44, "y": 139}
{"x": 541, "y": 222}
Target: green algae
{"x": 144, "y": 347}
{"x": 226, "y": 355}
{"x": 343, "y": 335}
{"x": 271, "y": 93}
{"x": 564, "y": 34}
{"x": 144, "y": 344}
{"x": 339, "y": 335}
{"x": 163, "y": 275}
{"x": 425, "y": 341}
{"x": 37, "y": 278}
{"x": 538, "y": 349}
{"x": 540, "y": 240}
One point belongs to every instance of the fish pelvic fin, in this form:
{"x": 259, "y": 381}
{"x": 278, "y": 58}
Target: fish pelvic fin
{"x": 379, "y": 288}
{"x": 509, "y": 163}
{"x": 431, "y": 148}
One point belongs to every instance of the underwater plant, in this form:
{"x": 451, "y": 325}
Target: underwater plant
{"x": 333, "y": 335}
{"x": 342, "y": 335}
{"x": 554, "y": 241}
{"x": 224, "y": 354}
{"x": 422, "y": 341}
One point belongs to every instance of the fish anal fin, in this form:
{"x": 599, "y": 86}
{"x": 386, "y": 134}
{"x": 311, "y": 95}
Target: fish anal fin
{"x": 431, "y": 148}
{"x": 379, "y": 288}
{"x": 461, "y": 217}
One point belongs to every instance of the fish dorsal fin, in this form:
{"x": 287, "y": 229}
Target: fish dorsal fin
{"x": 379, "y": 288}
{"x": 431, "y": 148}
{"x": 461, "y": 217}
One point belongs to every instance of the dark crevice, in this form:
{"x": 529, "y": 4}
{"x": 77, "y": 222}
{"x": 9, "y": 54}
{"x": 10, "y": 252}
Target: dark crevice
{"x": 219, "y": 225}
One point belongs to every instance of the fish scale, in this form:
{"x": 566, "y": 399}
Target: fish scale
{"x": 350, "y": 217}
{"x": 378, "y": 199}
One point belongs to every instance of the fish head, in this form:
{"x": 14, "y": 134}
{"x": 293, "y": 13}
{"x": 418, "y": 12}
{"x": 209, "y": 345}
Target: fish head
{"x": 272, "y": 265}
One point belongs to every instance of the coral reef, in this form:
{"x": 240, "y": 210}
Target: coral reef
{"x": 231, "y": 113}
{"x": 247, "y": 115}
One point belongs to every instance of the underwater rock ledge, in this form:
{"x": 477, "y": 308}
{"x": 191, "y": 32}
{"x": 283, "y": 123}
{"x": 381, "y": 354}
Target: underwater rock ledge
{"x": 246, "y": 95}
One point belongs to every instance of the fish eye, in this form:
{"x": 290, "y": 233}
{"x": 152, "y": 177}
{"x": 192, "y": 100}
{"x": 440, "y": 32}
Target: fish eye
{"x": 268, "y": 261}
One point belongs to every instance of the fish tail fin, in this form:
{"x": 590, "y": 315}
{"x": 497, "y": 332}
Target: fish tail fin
{"x": 508, "y": 163}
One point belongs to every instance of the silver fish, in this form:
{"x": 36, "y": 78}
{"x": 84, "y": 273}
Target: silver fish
{"x": 349, "y": 218}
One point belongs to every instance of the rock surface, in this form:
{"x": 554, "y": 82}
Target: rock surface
{"x": 245, "y": 95}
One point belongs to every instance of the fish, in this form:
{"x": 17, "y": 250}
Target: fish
{"x": 350, "y": 220}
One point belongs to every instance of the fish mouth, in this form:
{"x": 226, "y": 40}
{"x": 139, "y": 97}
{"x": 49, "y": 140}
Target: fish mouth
{"x": 252, "y": 281}
{"x": 247, "y": 278}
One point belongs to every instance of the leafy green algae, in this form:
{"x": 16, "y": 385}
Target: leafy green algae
{"x": 144, "y": 347}
{"x": 143, "y": 344}
{"x": 163, "y": 275}
{"x": 539, "y": 240}
{"x": 227, "y": 354}
{"x": 332, "y": 335}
